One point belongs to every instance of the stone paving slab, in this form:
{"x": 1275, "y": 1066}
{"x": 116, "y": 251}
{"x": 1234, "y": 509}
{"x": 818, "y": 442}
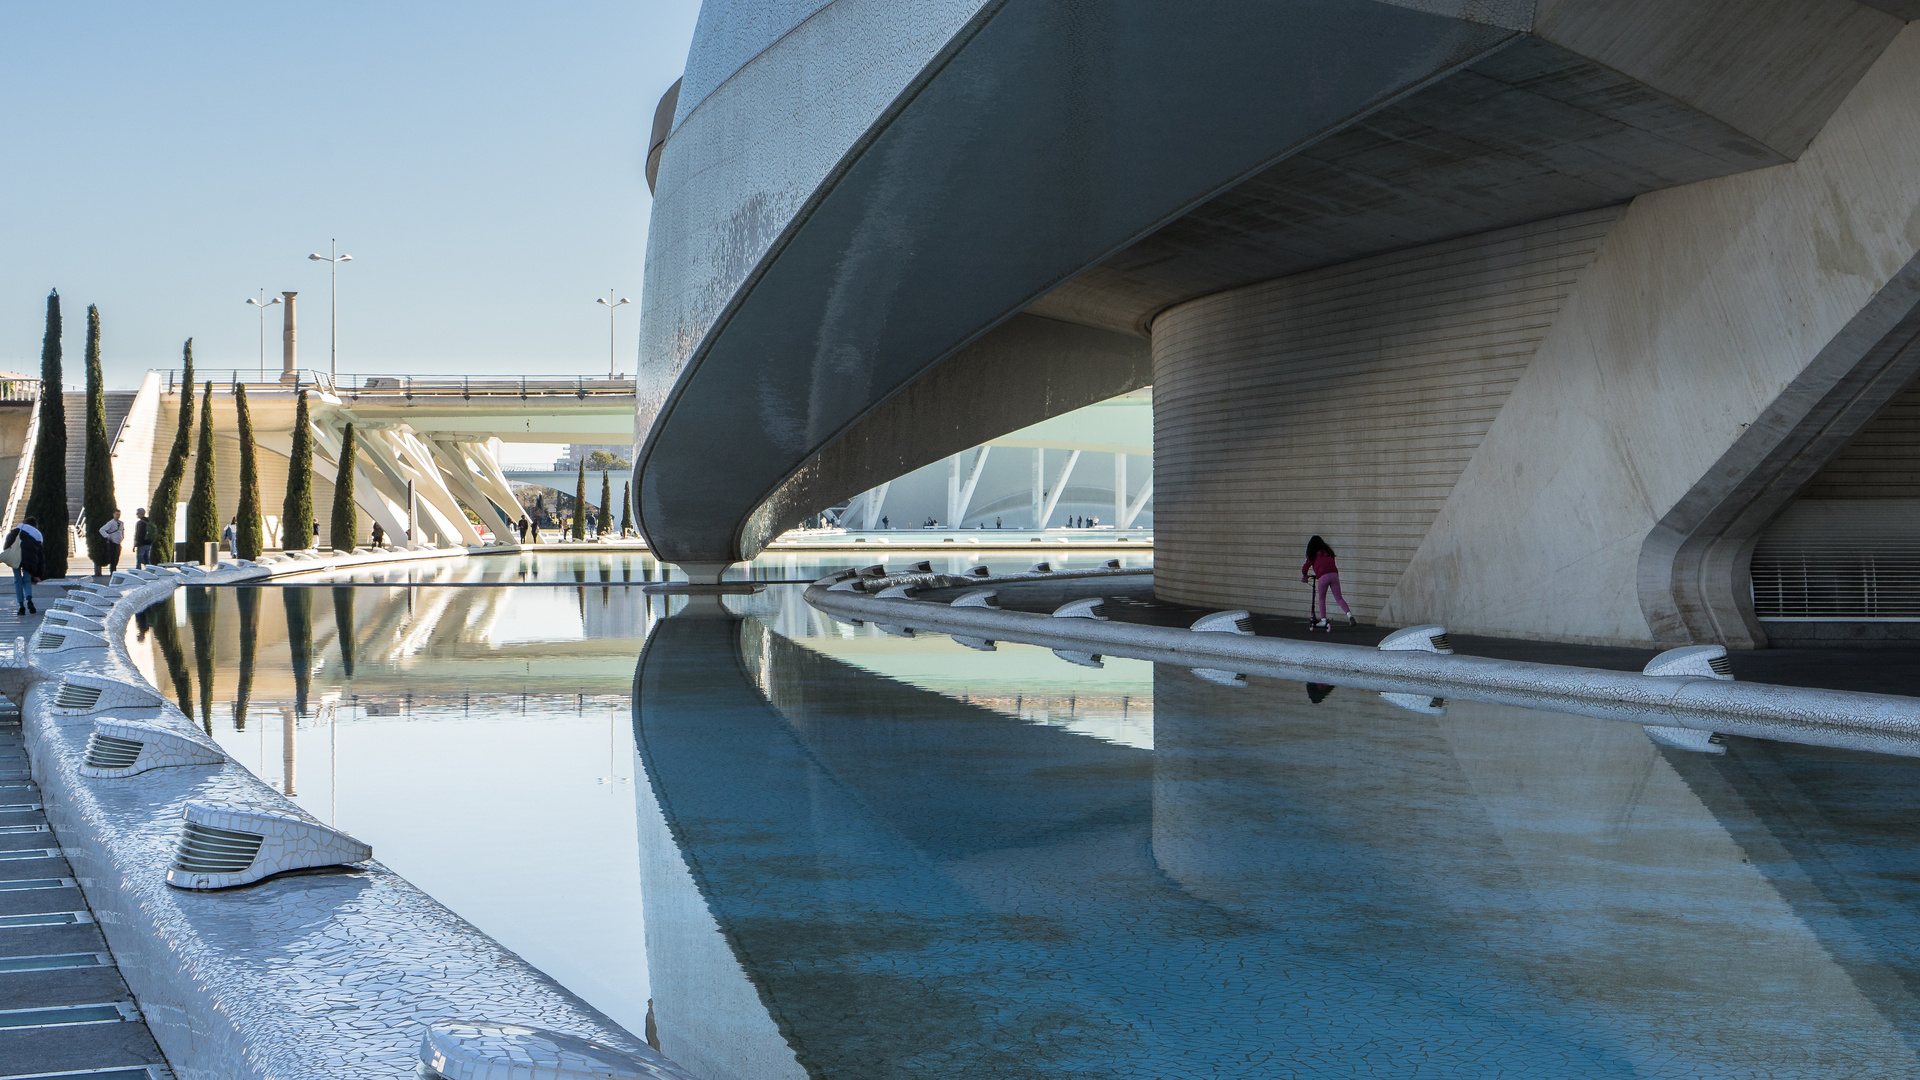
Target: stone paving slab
{"x": 25, "y": 1051}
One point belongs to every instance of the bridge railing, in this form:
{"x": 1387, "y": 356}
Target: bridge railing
{"x": 468, "y": 387}
{"x": 482, "y": 386}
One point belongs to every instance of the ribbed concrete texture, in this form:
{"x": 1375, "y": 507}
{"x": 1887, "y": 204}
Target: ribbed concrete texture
{"x": 1343, "y": 402}
{"x": 1499, "y": 440}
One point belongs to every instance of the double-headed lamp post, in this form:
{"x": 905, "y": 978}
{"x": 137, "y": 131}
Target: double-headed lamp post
{"x": 333, "y": 299}
{"x": 263, "y": 304}
{"x": 610, "y": 304}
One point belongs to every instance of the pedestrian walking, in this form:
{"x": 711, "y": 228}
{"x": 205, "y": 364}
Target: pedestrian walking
{"x": 230, "y": 536}
{"x": 31, "y": 566}
{"x": 379, "y": 536}
{"x": 523, "y": 528}
{"x": 113, "y": 532}
{"x": 142, "y": 539}
{"x": 1326, "y": 579}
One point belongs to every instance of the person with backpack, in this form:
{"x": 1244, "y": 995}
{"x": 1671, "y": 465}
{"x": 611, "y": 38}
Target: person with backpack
{"x": 32, "y": 566}
{"x": 1326, "y": 574}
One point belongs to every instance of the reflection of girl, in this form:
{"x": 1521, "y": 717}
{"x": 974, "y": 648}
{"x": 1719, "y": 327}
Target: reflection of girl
{"x": 1327, "y": 574}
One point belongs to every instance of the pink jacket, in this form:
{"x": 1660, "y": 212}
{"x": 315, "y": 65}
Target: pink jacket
{"x": 1321, "y": 565}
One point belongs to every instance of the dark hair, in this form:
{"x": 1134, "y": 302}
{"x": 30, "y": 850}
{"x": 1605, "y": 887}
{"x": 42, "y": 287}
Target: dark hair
{"x": 1315, "y": 546}
{"x": 33, "y": 521}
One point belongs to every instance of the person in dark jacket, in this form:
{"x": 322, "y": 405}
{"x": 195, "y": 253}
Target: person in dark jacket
{"x": 142, "y": 539}
{"x": 33, "y": 561}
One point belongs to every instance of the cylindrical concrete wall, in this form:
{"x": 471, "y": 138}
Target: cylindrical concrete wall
{"x": 1344, "y": 402}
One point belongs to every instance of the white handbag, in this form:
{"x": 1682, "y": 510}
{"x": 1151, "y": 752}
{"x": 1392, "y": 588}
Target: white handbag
{"x": 11, "y": 556}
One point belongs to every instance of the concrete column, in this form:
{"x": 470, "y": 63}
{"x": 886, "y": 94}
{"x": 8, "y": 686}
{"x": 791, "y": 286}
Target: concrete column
{"x": 287, "y": 351}
{"x": 1039, "y": 485}
{"x": 1119, "y": 490}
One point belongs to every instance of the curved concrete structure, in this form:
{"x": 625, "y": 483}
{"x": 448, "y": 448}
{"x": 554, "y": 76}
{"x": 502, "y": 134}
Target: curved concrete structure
{"x": 1515, "y": 302}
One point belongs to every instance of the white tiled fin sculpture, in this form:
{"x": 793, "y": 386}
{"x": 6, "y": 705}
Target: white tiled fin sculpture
{"x": 1430, "y": 638}
{"x": 125, "y": 747}
{"x": 83, "y": 695}
{"x": 1225, "y": 622}
{"x": 60, "y": 639}
{"x": 224, "y": 844}
{"x": 490, "y": 1051}
{"x": 1219, "y": 676}
{"x": 1689, "y": 662}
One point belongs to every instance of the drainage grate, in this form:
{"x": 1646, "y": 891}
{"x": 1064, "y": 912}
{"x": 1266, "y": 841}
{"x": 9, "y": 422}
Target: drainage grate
{"x": 142, "y": 1072}
{"x": 29, "y": 853}
{"x": 18, "y": 807}
{"x": 62, "y": 961}
{"x": 108, "y": 752}
{"x": 1443, "y": 643}
{"x": 63, "y": 1016}
{"x": 1721, "y": 665}
{"x": 17, "y": 830}
{"x": 51, "y": 640}
{"x": 30, "y": 884}
{"x": 204, "y": 849}
{"x": 45, "y": 918}
{"x": 57, "y": 620}
{"x": 76, "y": 696}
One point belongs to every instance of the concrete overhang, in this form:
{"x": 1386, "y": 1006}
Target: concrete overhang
{"x": 1097, "y": 165}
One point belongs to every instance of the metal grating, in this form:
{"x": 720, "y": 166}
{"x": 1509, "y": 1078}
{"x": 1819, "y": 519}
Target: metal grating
{"x": 1721, "y": 665}
{"x": 1840, "y": 560}
{"x": 109, "y": 752}
{"x": 204, "y": 849}
{"x": 76, "y": 696}
{"x": 1442, "y": 642}
{"x": 51, "y": 640}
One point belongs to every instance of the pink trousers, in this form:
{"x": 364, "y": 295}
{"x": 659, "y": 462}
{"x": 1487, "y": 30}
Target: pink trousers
{"x": 1324, "y": 584}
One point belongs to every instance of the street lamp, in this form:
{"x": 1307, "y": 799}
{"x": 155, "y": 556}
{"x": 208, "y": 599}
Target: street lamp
{"x": 610, "y": 303}
{"x": 333, "y": 292}
{"x": 263, "y": 304}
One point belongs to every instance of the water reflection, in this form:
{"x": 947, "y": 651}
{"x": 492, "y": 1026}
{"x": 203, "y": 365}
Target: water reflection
{"x": 874, "y": 856}
{"x": 1291, "y": 881}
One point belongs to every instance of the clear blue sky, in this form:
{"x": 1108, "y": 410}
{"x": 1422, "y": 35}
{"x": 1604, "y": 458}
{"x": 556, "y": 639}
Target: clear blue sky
{"x": 482, "y": 162}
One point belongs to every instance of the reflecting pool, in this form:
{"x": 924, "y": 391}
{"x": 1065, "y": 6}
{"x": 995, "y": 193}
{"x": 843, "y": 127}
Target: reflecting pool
{"x": 824, "y": 851}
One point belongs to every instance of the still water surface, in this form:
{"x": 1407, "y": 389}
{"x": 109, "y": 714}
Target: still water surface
{"x": 823, "y": 851}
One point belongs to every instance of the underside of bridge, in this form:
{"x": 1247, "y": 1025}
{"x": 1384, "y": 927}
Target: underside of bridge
{"x": 1541, "y": 312}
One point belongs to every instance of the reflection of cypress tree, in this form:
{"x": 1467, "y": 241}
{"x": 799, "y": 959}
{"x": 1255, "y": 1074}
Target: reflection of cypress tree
{"x": 166, "y": 637}
{"x": 249, "y": 603}
{"x": 343, "y": 627}
{"x": 200, "y": 602}
{"x": 300, "y": 643}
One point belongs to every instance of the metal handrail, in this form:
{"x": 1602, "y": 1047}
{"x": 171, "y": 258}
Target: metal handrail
{"x": 470, "y": 386}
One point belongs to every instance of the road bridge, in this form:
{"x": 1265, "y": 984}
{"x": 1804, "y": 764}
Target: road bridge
{"x": 439, "y": 436}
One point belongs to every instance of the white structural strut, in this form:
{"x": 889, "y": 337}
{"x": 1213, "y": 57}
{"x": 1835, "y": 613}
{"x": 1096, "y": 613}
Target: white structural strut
{"x": 1877, "y": 723}
{"x": 1138, "y": 504}
{"x": 1059, "y": 486}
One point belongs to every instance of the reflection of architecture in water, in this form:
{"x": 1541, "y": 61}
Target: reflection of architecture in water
{"x": 874, "y": 879}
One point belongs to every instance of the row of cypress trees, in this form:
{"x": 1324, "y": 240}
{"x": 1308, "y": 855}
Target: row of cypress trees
{"x": 47, "y": 498}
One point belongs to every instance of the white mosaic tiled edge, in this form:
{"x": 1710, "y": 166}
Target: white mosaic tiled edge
{"x": 1878, "y": 723}
{"x": 333, "y": 974}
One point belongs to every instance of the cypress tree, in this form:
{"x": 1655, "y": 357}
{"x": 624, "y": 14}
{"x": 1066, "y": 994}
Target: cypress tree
{"x": 251, "y": 538}
{"x": 296, "y": 516}
{"x": 626, "y": 509}
{"x": 47, "y": 502}
{"x": 606, "y": 502}
{"x": 346, "y": 528}
{"x": 203, "y": 506}
{"x": 580, "y": 504}
{"x": 166, "y": 497}
{"x": 96, "y": 478}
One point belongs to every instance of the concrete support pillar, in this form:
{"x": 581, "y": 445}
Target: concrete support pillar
{"x": 1119, "y": 490}
{"x": 1039, "y": 486}
{"x": 287, "y": 351}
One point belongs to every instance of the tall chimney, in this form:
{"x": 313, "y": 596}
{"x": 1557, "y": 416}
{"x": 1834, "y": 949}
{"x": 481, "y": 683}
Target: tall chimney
{"x": 286, "y": 340}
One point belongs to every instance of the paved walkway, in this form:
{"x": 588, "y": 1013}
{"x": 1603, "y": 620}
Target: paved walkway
{"x": 64, "y": 1010}
{"x": 1885, "y": 669}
